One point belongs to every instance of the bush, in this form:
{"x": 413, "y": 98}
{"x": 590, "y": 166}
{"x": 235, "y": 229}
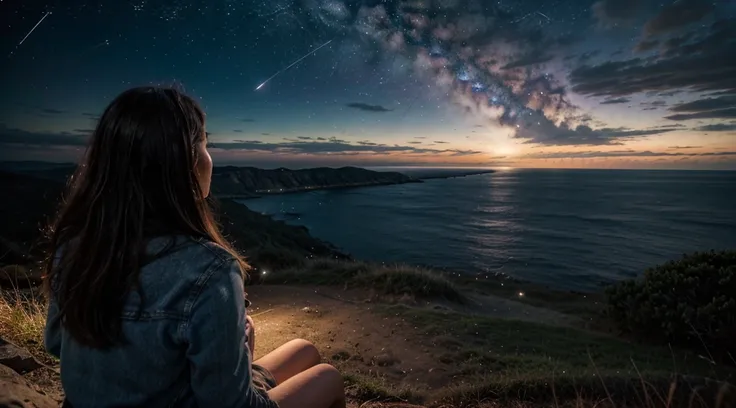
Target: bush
{"x": 690, "y": 302}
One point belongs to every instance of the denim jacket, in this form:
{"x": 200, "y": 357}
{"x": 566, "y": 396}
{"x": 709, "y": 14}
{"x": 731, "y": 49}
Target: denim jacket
{"x": 186, "y": 346}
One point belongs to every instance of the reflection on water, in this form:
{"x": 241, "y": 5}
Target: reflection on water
{"x": 568, "y": 228}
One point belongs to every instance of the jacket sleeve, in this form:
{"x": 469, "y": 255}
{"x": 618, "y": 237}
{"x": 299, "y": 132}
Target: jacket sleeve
{"x": 220, "y": 361}
{"x": 52, "y": 331}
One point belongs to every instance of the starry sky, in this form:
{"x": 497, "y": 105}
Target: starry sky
{"x": 464, "y": 83}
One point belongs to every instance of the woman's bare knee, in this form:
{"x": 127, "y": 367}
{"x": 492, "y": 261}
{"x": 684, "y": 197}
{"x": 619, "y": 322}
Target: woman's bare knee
{"x": 330, "y": 374}
{"x": 307, "y": 349}
{"x": 318, "y": 387}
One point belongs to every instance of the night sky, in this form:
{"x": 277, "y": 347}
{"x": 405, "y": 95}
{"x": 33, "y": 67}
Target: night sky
{"x": 532, "y": 83}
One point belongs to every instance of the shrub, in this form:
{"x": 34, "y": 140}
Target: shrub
{"x": 690, "y": 302}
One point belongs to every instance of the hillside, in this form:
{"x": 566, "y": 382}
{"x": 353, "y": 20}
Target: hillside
{"x": 33, "y": 200}
{"x": 245, "y": 182}
{"x": 249, "y": 181}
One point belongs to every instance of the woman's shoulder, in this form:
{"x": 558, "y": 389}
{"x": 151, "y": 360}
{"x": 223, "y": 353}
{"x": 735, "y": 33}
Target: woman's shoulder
{"x": 186, "y": 252}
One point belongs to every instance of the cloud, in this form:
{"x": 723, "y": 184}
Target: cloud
{"x": 715, "y": 114}
{"x": 704, "y": 105}
{"x": 368, "y": 108}
{"x": 615, "y": 101}
{"x": 91, "y": 115}
{"x": 266, "y": 134}
{"x": 720, "y": 127}
{"x": 548, "y": 133}
{"x": 336, "y": 146}
{"x": 414, "y": 142}
{"x": 238, "y": 130}
{"x": 677, "y": 15}
{"x": 14, "y": 136}
{"x": 85, "y": 131}
{"x": 248, "y": 120}
{"x": 621, "y": 153}
{"x": 707, "y": 64}
{"x": 52, "y": 111}
{"x": 440, "y": 142}
{"x": 305, "y": 138}
{"x": 646, "y": 45}
{"x": 684, "y": 147}
{"x": 609, "y": 13}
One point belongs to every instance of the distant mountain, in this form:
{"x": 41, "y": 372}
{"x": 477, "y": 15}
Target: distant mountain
{"x": 244, "y": 182}
{"x": 249, "y": 181}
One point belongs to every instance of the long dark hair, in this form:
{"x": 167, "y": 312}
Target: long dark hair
{"x": 137, "y": 180}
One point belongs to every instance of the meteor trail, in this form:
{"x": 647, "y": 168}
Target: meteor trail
{"x": 34, "y": 28}
{"x": 292, "y": 64}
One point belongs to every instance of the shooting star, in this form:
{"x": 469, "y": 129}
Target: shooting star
{"x": 544, "y": 15}
{"x": 34, "y": 28}
{"x": 292, "y": 64}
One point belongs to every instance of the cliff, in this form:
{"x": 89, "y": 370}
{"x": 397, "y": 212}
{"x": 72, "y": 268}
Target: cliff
{"x": 249, "y": 181}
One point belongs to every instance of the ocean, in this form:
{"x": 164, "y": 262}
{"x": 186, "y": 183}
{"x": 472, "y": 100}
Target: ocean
{"x": 569, "y": 229}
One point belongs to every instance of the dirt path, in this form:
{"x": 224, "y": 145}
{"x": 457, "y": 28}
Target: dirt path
{"x": 351, "y": 334}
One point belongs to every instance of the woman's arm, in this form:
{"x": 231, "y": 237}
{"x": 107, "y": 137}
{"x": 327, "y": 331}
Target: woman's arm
{"x": 219, "y": 356}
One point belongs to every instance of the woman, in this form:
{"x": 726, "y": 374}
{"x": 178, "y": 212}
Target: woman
{"x": 147, "y": 306}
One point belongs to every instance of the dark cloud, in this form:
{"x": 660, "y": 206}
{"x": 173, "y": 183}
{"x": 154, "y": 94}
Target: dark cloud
{"x": 657, "y": 104}
{"x": 238, "y": 130}
{"x": 677, "y": 15}
{"x": 646, "y": 45}
{"x": 91, "y": 115}
{"x": 85, "y": 131}
{"x": 720, "y": 127}
{"x": 52, "y": 111}
{"x": 321, "y": 138}
{"x": 527, "y": 60}
{"x": 440, "y": 142}
{"x": 368, "y": 108}
{"x": 704, "y": 105}
{"x": 13, "y": 136}
{"x": 415, "y": 142}
{"x": 714, "y": 114}
{"x": 266, "y": 134}
{"x": 609, "y": 13}
{"x": 622, "y": 153}
{"x": 336, "y": 146}
{"x": 684, "y": 147}
{"x": 615, "y": 101}
{"x": 673, "y": 126}
{"x": 707, "y": 64}
{"x": 305, "y": 138}
{"x": 547, "y": 133}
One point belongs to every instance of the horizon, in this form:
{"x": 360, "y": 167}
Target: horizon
{"x": 585, "y": 84}
{"x": 9, "y": 163}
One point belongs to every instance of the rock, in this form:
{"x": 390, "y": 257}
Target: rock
{"x": 17, "y": 358}
{"x": 16, "y": 392}
{"x": 341, "y": 356}
{"x": 19, "y": 276}
{"x": 385, "y": 360}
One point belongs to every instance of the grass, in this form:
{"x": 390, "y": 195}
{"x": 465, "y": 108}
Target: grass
{"x": 398, "y": 280}
{"x": 509, "y": 360}
{"x": 22, "y": 321}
